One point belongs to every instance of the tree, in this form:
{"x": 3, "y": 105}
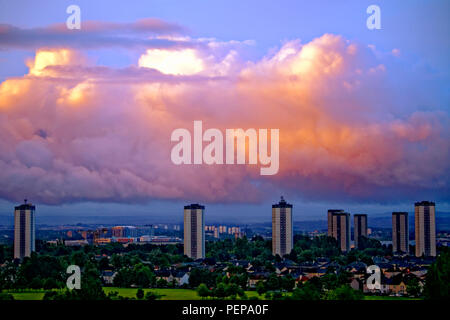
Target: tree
{"x": 36, "y": 283}
{"x": 198, "y": 276}
{"x": 437, "y": 282}
{"x": 91, "y": 289}
{"x": 53, "y": 295}
{"x": 8, "y": 275}
{"x": 47, "y": 268}
{"x": 103, "y": 264}
{"x": 6, "y": 296}
{"x": 232, "y": 290}
{"x": 123, "y": 278}
{"x": 287, "y": 283}
{"x": 116, "y": 261}
{"x": 329, "y": 281}
{"x": 140, "y": 294}
{"x": 273, "y": 282}
{"x": 113, "y": 295}
{"x": 368, "y": 243}
{"x": 161, "y": 283}
{"x": 307, "y": 291}
{"x": 413, "y": 287}
{"x": 220, "y": 290}
{"x": 260, "y": 288}
{"x": 2, "y": 253}
{"x": 277, "y": 295}
{"x": 49, "y": 283}
{"x": 306, "y": 255}
{"x": 150, "y": 295}
{"x": 143, "y": 276}
{"x": 203, "y": 291}
{"x": 78, "y": 258}
{"x": 344, "y": 292}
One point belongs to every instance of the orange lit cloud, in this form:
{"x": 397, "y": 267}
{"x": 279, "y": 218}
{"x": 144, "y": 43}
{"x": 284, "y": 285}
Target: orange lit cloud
{"x": 177, "y": 62}
{"x": 51, "y": 57}
{"x": 104, "y": 135}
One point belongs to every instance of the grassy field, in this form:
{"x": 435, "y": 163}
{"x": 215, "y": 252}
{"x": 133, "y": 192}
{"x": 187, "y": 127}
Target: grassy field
{"x": 388, "y": 298}
{"x": 32, "y": 295}
{"x": 168, "y": 294}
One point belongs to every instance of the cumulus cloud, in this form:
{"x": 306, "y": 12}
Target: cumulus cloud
{"x": 73, "y": 131}
{"x": 179, "y": 62}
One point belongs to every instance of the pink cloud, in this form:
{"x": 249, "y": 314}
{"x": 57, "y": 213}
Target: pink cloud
{"x": 72, "y": 131}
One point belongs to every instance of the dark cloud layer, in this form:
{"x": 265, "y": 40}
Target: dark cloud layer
{"x": 94, "y": 34}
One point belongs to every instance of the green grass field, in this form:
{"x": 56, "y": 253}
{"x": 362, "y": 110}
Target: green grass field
{"x": 167, "y": 294}
{"x": 388, "y": 298}
{"x": 32, "y": 295}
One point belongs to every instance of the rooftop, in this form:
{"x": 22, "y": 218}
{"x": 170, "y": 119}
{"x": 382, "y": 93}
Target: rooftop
{"x": 194, "y": 206}
{"x": 424, "y": 203}
{"x": 282, "y": 204}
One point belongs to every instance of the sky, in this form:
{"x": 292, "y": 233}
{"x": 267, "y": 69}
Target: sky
{"x": 86, "y": 115}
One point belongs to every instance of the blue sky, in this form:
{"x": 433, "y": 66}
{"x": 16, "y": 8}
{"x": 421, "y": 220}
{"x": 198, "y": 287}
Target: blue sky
{"x": 418, "y": 27}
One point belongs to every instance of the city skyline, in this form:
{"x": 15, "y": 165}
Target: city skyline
{"x": 339, "y": 226}
{"x": 254, "y": 269}
{"x": 217, "y": 212}
{"x": 266, "y": 216}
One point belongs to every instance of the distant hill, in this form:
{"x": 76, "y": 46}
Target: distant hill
{"x": 442, "y": 221}
{"x": 8, "y": 220}
{"x": 382, "y": 220}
